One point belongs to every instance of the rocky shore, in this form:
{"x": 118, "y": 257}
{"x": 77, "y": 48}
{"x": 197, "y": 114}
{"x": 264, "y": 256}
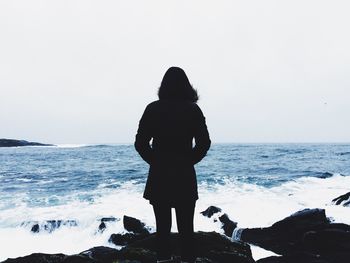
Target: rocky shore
{"x": 343, "y": 200}
{"x": 306, "y": 236}
{"x": 18, "y": 143}
{"x": 139, "y": 246}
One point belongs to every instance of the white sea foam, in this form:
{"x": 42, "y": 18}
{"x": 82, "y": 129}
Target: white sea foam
{"x": 237, "y": 234}
{"x": 248, "y": 204}
{"x": 70, "y": 145}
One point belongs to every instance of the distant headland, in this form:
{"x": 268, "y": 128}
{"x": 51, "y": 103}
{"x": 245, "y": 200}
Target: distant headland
{"x": 17, "y": 143}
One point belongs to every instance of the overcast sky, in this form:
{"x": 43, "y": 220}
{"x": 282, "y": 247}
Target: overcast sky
{"x": 266, "y": 71}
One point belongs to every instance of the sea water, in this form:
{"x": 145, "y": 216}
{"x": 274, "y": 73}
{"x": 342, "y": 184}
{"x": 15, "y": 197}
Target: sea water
{"x": 255, "y": 184}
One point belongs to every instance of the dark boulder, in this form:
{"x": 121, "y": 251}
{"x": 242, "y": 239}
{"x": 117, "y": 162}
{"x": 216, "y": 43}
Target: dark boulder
{"x": 35, "y": 228}
{"x": 17, "y": 143}
{"x": 303, "y": 219}
{"x": 109, "y": 219}
{"x": 285, "y": 237}
{"x": 134, "y": 225}
{"x": 227, "y": 225}
{"x": 307, "y": 258}
{"x": 211, "y": 247}
{"x": 93, "y": 255}
{"x": 125, "y": 239}
{"x": 37, "y": 258}
{"x": 295, "y": 258}
{"x": 79, "y": 259}
{"x": 102, "y": 226}
{"x": 305, "y": 236}
{"x": 342, "y": 199}
{"x": 210, "y": 211}
{"x": 138, "y": 254}
{"x": 336, "y": 240}
{"x": 102, "y": 254}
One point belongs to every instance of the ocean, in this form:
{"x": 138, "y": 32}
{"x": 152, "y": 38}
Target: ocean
{"x": 255, "y": 184}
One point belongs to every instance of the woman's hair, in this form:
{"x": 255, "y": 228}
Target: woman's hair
{"x": 176, "y": 86}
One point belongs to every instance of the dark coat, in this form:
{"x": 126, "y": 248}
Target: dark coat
{"x": 172, "y": 125}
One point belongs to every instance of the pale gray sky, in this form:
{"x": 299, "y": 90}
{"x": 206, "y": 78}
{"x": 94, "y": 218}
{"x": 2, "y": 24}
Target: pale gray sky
{"x": 83, "y": 71}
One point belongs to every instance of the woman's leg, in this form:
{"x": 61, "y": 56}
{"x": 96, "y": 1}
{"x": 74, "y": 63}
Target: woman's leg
{"x": 184, "y": 219}
{"x": 162, "y": 214}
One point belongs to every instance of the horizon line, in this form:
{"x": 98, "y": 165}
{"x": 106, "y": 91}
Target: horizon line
{"x": 230, "y": 142}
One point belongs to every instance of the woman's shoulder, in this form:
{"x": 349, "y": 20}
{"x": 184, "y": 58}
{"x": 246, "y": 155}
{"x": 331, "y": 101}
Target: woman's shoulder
{"x": 152, "y": 105}
{"x": 195, "y": 107}
{"x": 169, "y": 104}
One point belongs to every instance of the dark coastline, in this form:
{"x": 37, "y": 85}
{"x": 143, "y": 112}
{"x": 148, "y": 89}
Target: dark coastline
{"x": 20, "y": 143}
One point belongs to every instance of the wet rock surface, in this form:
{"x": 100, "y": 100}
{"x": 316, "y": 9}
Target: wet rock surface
{"x": 38, "y": 258}
{"x": 211, "y": 247}
{"x": 125, "y": 239}
{"x": 227, "y": 225}
{"x": 342, "y": 199}
{"x": 305, "y": 236}
{"x": 210, "y": 211}
{"x": 134, "y": 225}
{"x": 102, "y": 226}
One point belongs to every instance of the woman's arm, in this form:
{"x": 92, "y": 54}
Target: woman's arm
{"x": 143, "y": 137}
{"x": 201, "y": 137}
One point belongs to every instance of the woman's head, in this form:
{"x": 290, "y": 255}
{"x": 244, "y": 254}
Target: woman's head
{"x": 176, "y": 86}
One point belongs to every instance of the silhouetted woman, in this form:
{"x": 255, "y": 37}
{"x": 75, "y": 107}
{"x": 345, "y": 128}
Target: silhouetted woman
{"x": 172, "y": 122}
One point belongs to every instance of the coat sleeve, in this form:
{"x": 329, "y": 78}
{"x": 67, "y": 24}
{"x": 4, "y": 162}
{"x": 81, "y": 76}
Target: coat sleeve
{"x": 143, "y": 137}
{"x": 201, "y": 136}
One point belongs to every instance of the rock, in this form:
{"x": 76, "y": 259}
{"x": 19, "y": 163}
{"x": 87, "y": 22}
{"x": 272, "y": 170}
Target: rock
{"x": 303, "y": 220}
{"x": 93, "y": 255}
{"x": 306, "y": 258}
{"x": 296, "y": 258}
{"x": 102, "y": 254}
{"x": 285, "y": 237}
{"x": 138, "y": 254}
{"x": 109, "y": 219}
{"x": 35, "y": 228}
{"x": 48, "y": 225}
{"x": 211, "y": 247}
{"x": 79, "y": 259}
{"x": 329, "y": 243}
{"x": 227, "y": 225}
{"x": 125, "y": 239}
{"x": 17, "y": 143}
{"x": 103, "y": 225}
{"x": 305, "y": 236}
{"x": 339, "y": 226}
{"x": 345, "y": 199}
{"x": 210, "y": 211}
{"x": 37, "y": 258}
{"x": 134, "y": 225}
